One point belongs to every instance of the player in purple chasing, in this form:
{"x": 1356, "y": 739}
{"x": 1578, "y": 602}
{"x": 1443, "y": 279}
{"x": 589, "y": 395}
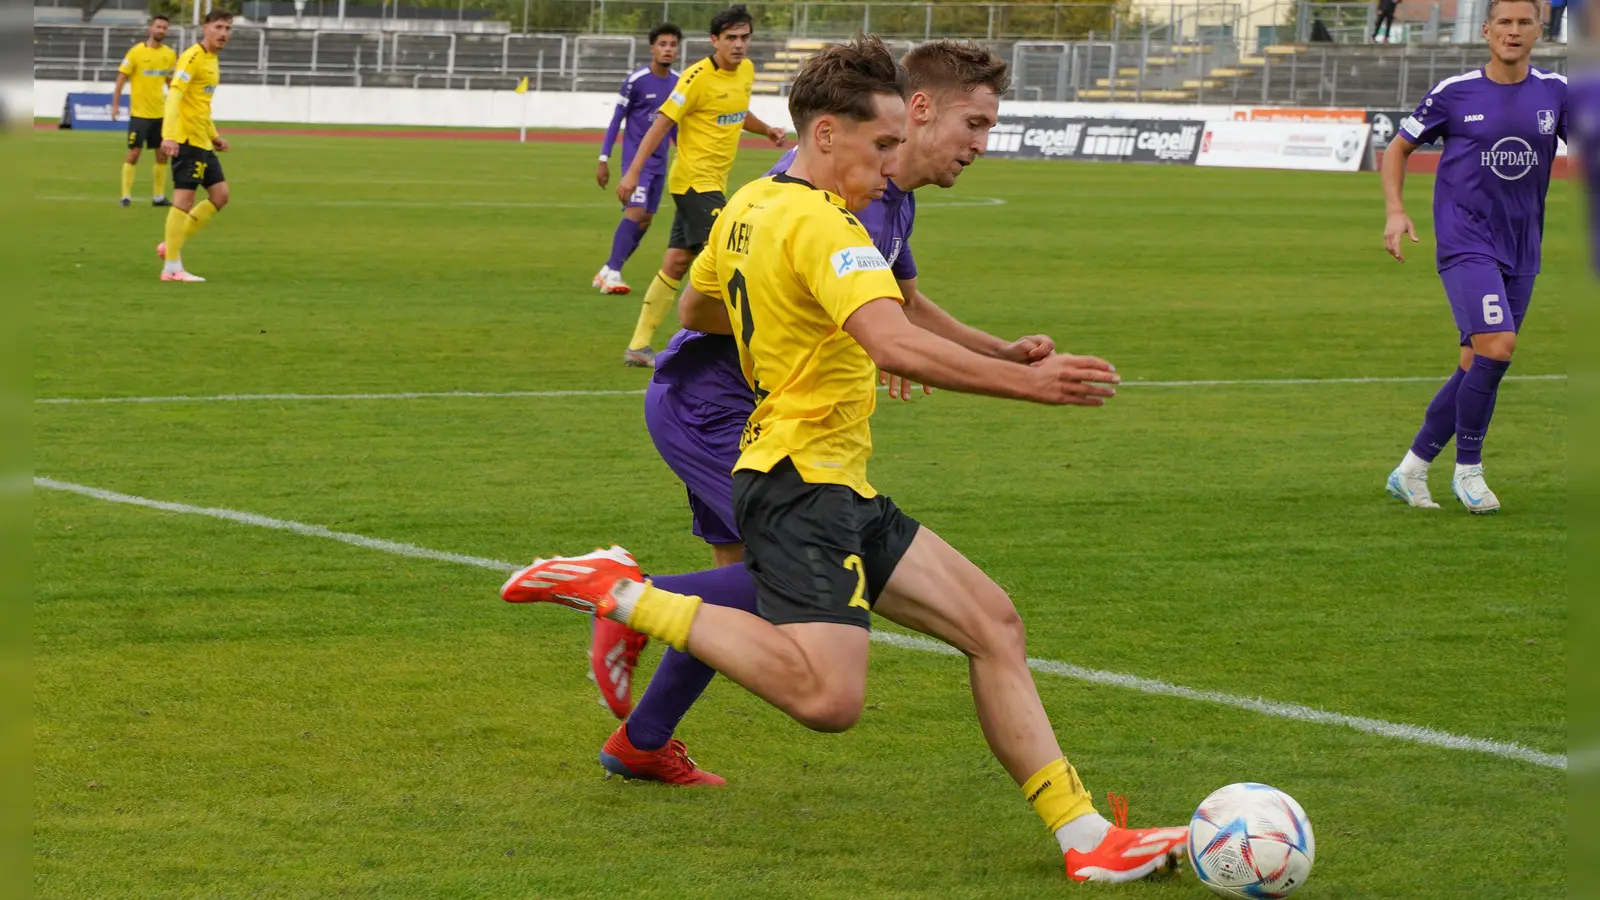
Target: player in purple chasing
{"x": 698, "y": 402}
{"x": 637, "y": 105}
{"x": 1500, "y": 125}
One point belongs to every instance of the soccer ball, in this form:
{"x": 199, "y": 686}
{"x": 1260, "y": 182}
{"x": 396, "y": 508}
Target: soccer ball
{"x": 1251, "y": 840}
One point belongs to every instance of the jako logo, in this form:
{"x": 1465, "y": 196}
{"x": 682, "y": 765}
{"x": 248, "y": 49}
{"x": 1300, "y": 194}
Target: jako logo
{"x": 1506, "y": 163}
{"x": 730, "y": 118}
{"x": 1474, "y": 118}
{"x": 857, "y": 259}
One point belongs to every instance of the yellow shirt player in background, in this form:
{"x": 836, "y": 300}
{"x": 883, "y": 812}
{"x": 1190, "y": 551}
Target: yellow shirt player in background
{"x": 711, "y": 108}
{"x": 190, "y": 138}
{"x": 813, "y": 306}
{"x": 147, "y": 68}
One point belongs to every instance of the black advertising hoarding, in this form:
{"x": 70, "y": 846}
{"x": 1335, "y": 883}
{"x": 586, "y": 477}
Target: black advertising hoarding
{"x": 1107, "y": 140}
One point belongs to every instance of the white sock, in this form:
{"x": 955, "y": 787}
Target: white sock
{"x": 1083, "y": 833}
{"x": 627, "y": 594}
{"x": 1462, "y": 468}
{"x": 172, "y": 266}
{"x": 1414, "y": 464}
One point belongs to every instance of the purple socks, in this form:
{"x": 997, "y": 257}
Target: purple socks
{"x": 681, "y": 679}
{"x": 624, "y": 242}
{"x": 1475, "y": 407}
{"x": 1440, "y": 421}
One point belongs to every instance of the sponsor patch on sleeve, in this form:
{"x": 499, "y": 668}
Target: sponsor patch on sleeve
{"x": 678, "y": 98}
{"x": 183, "y": 76}
{"x": 1411, "y": 126}
{"x": 857, "y": 259}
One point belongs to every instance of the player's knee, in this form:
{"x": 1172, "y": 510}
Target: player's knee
{"x": 1499, "y": 346}
{"x": 829, "y": 712}
{"x": 996, "y": 629}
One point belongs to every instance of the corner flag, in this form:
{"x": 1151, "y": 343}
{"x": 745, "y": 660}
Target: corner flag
{"x": 522, "y": 86}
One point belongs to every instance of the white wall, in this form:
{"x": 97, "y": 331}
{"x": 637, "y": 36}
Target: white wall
{"x": 505, "y": 109}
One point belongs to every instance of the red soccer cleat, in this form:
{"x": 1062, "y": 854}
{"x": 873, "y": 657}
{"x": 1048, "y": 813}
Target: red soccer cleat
{"x": 582, "y": 583}
{"x": 613, "y": 653}
{"x": 669, "y": 765}
{"x": 1128, "y": 854}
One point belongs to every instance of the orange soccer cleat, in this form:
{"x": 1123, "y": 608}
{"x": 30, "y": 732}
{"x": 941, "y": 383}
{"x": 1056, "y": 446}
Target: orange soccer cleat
{"x": 613, "y": 654}
{"x": 669, "y": 765}
{"x": 1128, "y": 854}
{"x": 582, "y": 583}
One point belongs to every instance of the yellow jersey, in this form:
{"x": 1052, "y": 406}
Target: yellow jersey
{"x": 188, "y": 111}
{"x": 148, "y": 69}
{"x": 791, "y": 264}
{"x": 709, "y": 105}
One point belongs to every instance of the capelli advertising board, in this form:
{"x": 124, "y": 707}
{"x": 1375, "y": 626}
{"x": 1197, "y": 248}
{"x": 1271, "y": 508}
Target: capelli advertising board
{"x": 1104, "y": 140}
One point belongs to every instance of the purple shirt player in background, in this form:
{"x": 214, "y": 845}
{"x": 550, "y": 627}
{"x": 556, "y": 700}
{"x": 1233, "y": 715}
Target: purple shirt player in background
{"x": 637, "y": 105}
{"x": 698, "y": 402}
{"x": 1500, "y": 126}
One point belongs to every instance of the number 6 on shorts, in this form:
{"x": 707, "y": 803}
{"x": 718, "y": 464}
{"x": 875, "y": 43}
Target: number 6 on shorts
{"x": 1492, "y": 313}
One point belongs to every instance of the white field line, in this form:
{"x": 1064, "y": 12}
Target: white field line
{"x": 1411, "y": 733}
{"x": 445, "y": 395}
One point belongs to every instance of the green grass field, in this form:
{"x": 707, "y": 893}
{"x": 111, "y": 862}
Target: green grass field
{"x": 228, "y": 711}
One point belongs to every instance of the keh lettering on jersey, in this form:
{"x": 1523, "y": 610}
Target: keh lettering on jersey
{"x": 739, "y": 238}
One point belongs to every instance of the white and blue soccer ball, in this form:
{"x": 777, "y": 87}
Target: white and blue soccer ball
{"x": 1251, "y": 840}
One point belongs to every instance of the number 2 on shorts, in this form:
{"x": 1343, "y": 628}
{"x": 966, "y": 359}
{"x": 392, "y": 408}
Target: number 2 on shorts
{"x": 859, "y": 598}
{"x": 1492, "y": 313}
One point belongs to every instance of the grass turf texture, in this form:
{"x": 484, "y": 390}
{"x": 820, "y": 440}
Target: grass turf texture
{"x": 224, "y": 711}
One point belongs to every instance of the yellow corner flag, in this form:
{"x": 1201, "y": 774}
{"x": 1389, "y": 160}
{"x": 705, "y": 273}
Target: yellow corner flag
{"x": 522, "y": 86}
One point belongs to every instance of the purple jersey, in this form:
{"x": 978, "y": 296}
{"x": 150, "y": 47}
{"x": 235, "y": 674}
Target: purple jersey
{"x": 1585, "y": 105}
{"x": 1499, "y": 147}
{"x": 638, "y": 104}
{"x": 706, "y": 366}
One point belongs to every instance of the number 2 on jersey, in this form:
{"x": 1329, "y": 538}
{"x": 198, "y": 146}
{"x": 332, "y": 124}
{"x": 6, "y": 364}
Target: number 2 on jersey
{"x": 859, "y": 598}
{"x": 739, "y": 296}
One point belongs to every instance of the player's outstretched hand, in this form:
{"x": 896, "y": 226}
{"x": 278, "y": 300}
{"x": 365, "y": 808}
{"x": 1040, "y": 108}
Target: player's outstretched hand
{"x": 221, "y": 144}
{"x": 1399, "y": 224}
{"x": 1028, "y": 349}
{"x": 777, "y": 135}
{"x": 602, "y": 175}
{"x": 169, "y": 149}
{"x": 1067, "y": 380}
{"x": 626, "y": 187}
{"x": 900, "y": 388}
{"x": 116, "y": 108}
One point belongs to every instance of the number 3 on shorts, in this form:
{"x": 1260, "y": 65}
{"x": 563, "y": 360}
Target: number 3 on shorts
{"x": 859, "y": 598}
{"x": 1492, "y": 313}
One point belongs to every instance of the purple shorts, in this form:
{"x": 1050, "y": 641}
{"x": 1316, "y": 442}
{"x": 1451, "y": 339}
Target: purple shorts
{"x": 1485, "y": 300}
{"x": 648, "y": 194}
{"x": 700, "y": 443}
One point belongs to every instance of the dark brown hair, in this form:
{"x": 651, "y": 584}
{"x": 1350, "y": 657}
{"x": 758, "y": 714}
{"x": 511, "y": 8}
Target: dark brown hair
{"x": 1488, "y": 13}
{"x": 843, "y": 80}
{"x": 218, "y": 14}
{"x": 955, "y": 65}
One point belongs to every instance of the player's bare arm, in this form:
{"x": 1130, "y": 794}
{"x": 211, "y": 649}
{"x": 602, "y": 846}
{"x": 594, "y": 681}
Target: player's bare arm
{"x": 647, "y": 148}
{"x": 754, "y": 125}
{"x": 924, "y": 313}
{"x": 1398, "y": 224}
{"x": 116, "y": 94}
{"x": 699, "y": 312}
{"x": 899, "y": 347}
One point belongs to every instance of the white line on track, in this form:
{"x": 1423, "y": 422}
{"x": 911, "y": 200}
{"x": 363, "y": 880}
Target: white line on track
{"x": 1415, "y": 734}
{"x": 959, "y": 202}
{"x": 445, "y": 395}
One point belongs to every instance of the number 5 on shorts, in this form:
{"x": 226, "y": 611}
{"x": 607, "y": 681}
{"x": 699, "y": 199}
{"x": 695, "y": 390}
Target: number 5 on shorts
{"x": 1492, "y": 313}
{"x": 859, "y": 597}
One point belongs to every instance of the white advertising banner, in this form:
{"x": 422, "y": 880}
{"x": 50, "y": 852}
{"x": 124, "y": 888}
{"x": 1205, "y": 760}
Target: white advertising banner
{"x": 1311, "y": 146}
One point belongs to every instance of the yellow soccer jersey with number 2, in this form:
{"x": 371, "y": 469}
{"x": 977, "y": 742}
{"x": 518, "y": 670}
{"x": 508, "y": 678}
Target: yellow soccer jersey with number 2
{"x": 709, "y": 104}
{"x": 188, "y": 112}
{"x": 791, "y": 264}
{"x": 148, "y": 69}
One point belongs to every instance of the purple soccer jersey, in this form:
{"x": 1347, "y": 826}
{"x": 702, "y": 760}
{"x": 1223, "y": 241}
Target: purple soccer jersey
{"x": 1584, "y": 101}
{"x": 1499, "y": 146}
{"x": 638, "y": 104}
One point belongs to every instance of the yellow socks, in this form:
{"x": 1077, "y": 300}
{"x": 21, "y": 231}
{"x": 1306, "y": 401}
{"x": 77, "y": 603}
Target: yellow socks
{"x": 127, "y": 180}
{"x": 200, "y": 215}
{"x": 663, "y": 615}
{"x": 158, "y": 181}
{"x": 1057, "y": 795}
{"x": 657, "y": 300}
{"x": 177, "y": 230}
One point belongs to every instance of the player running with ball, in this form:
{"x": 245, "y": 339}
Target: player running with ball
{"x": 815, "y": 312}
{"x": 1500, "y": 125}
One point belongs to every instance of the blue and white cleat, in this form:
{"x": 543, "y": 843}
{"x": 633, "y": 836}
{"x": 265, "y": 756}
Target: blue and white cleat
{"x": 1412, "y": 487}
{"x": 1470, "y": 489}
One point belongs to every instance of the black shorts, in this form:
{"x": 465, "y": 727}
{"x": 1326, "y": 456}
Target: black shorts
{"x": 692, "y": 217}
{"x": 818, "y": 552}
{"x": 144, "y": 133}
{"x": 194, "y": 168}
